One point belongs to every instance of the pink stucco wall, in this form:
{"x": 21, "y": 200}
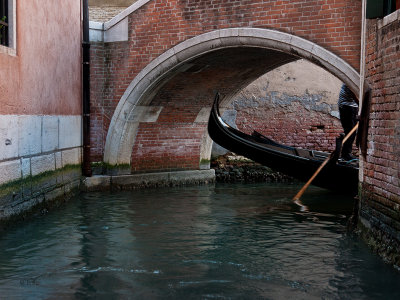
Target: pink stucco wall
{"x": 44, "y": 78}
{"x": 40, "y": 105}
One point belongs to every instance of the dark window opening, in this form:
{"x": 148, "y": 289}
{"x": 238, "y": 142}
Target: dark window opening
{"x": 381, "y": 8}
{"x": 4, "y": 28}
{"x": 389, "y": 7}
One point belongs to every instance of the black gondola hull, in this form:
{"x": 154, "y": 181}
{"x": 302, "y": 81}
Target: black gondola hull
{"x": 339, "y": 177}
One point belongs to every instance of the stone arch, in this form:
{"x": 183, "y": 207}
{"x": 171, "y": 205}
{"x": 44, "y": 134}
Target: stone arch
{"x": 131, "y": 108}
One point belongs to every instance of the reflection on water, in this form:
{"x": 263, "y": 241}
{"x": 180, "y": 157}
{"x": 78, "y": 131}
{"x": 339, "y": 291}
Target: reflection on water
{"x": 223, "y": 241}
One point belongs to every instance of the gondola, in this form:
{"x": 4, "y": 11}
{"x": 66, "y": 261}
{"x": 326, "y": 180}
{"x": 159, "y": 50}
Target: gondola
{"x": 340, "y": 176}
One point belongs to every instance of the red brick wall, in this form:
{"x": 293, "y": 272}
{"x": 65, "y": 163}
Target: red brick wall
{"x": 292, "y": 126}
{"x": 169, "y": 147}
{"x": 107, "y": 85}
{"x": 160, "y": 25}
{"x": 97, "y": 78}
{"x": 381, "y": 187}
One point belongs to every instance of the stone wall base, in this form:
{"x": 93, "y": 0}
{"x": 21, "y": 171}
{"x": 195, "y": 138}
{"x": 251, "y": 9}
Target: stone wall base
{"x": 146, "y": 180}
{"x": 379, "y": 224}
{"x": 380, "y": 242}
{"x": 37, "y": 194}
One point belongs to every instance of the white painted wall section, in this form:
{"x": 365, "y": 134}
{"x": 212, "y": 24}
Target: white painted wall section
{"x": 31, "y": 144}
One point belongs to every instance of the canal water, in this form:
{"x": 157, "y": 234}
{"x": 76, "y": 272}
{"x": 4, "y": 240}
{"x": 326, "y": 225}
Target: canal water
{"x": 242, "y": 241}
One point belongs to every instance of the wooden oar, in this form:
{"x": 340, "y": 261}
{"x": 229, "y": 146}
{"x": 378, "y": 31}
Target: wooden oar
{"x": 303, "y": 189}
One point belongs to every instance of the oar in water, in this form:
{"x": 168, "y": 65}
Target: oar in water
{"x": 303, "y": 189}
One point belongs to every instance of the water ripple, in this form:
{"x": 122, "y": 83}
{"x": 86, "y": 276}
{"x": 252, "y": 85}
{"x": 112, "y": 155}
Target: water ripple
{"x": 114, "y": 269}
{"x": 208, "y": 242}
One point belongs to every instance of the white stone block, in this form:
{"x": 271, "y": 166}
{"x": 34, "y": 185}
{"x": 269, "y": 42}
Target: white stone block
{"x": 43, "y": 163}
{"x": 139, "y": 86}
{"x": 95, "y": 35}
{"x": 203, "y": 115}
{"x": 49, "y": 133}
{"x": 301, "y": 46}
{"x": 198, "y": 45}
{"x": 70, "y": 131}
{"x": 96, "y": 31}
{"x": 167, "y": 59}
{"x": 118, "y": 32}
{"x": 96, "y": 25}
{"x": 71, "y": 157}
{"x": 390, "y": 18}
{"x": 29, "y": 135}
{"x": 9, "y": 171}
{"x": 26, "y": 167}
{"x": 229, "y": 32}
{"x": 125, "y": 148}
{"x": 58, "y": 158}
{"x": 97, "y": 182}
{"x": 8, "y": 136}
{"x": 147, "y": 114}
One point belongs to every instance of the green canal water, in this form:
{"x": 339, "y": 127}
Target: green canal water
{"x": 242, "y": 241}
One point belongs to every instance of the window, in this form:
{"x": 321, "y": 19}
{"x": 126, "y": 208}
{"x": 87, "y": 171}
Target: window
{"x": 8, "y": 17}
{"x": 381, "y": 8}
{"x": 389, "y": 6}
{"x": 4, "y": 23}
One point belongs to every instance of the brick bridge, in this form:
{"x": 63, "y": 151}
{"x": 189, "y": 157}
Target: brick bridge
{"x": 156, "y": 67}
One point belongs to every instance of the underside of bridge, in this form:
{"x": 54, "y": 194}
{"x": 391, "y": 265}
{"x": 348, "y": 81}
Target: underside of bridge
{"x": 160, "y": 123}
{"x": 179, "y": 136}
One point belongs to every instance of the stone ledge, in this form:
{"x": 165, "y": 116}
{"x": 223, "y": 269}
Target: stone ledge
{"x": 96, "y": 183}
{"x": 104, "y": 182}
{"x": 394, "y": 16}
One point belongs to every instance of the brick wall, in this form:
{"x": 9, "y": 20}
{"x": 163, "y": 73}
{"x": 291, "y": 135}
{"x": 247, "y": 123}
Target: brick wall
{"x": 104, "y": 14}
{"x": 159, "y": 25}
{"x": 167, "y": 146}
{"x": 295, "y": 104}
{"x": 97, "y": 82}
{"x": 380, "y": 192}
{"x": 293, "y": 125}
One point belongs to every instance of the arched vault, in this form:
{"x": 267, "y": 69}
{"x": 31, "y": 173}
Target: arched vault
{"x": 251, "y": 51}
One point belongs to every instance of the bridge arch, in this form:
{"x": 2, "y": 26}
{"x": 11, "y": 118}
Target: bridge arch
{"x": 134, "y": 105}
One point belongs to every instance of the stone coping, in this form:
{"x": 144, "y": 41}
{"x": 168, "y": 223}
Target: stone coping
{"x": 394, "y": 16}
{"x": 123, "y": 14}
{"x": 104, "y": 26}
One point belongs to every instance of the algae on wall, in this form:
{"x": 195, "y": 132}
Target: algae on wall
{"x": 20, "y": 196}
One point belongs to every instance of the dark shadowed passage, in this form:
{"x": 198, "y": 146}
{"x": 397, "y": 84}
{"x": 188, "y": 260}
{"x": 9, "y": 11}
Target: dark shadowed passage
{"x": 224, "y": 241}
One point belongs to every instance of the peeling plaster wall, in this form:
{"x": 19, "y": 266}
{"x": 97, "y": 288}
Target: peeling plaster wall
{"x": 295, "y": 104}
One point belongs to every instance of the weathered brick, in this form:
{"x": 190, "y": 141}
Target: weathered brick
{"x": 381, "y": 191}
{"x": 160, "y": 25}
